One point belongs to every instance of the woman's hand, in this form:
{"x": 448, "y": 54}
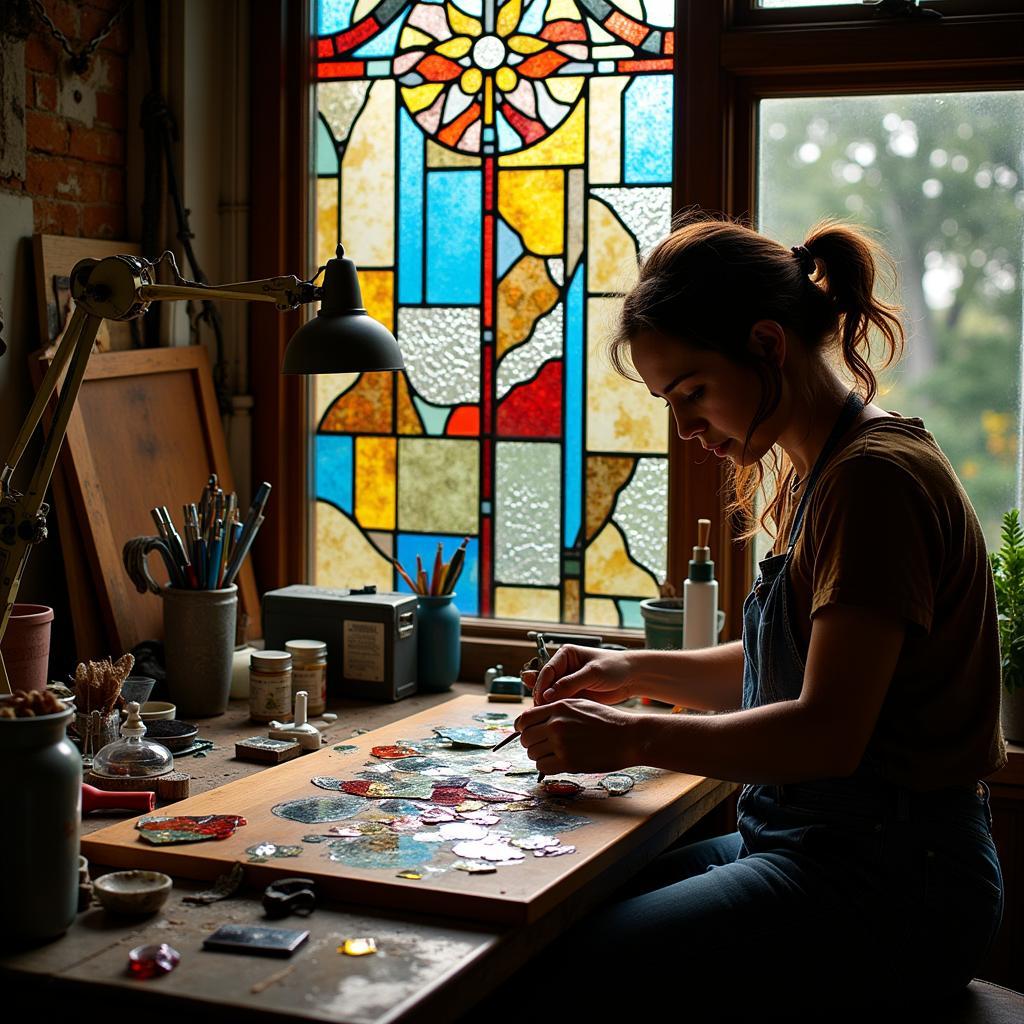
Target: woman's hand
{"x": 590, "y": 673}
{"x": 578, "y": 736}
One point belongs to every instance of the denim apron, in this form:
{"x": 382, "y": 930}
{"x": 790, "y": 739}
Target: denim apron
{"x": 919, "y": 869}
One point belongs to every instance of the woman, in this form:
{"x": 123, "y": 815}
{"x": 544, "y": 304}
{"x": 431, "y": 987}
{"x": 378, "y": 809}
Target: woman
{"x": 860, "y": 710}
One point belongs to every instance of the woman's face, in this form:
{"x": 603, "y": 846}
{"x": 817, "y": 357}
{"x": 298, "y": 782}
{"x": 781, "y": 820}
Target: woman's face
{"x": 712, "y": 399}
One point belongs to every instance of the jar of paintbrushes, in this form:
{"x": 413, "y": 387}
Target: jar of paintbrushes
{"x": 438, "y": 622}
{"x": 201, "y": 597}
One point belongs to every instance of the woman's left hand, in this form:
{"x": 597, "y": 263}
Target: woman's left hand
{"x": 575, "y": 735}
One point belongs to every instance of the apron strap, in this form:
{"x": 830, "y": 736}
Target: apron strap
{"x": 851, "y": 410}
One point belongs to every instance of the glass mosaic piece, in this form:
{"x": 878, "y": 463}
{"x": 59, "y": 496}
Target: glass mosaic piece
{"x": 469, "y": 805}
{"x": 345, "y": 748}
{"x": 528, "y": 513}
{"x": 411, "y": 874}
{"x": 386, "y": 850}
{"x": 326, "y": 782}
{"x": 449, "y": 796}
{"x": 641, "y": 512}
{"x": 313, "y": 810}
{"x": 462, "y": 736}
{"x": 554, "y": 851}
{"x": 492, "y": 716}
{"x": 437, "y": 815}
{"x": 187, "y": 828}
{"x": 462, "y": 830}
{"x": 387, "y": 788}
{"x": 617, "y": 783}
{"x": 475, "y": 867}
{"x": 224, "y": 887}
{"x": 393, "y": 752}
{"x": 535, "y": 842}
{"x": 358, "y": 947}
{"x": 262, "y": 852}
{"x": 493, "y": 794}
{"x": 492, "y": 850}
{"x": 480, "y": 817}
{"x": 528, "y": 149}
{"x": 428, "y": 837}
{"x": 561, "y": 787}
{"x": 314, "y": 837}
{"x": 146, "y": 962}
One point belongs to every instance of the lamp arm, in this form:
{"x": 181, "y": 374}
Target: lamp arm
{"x": 285, "y": 292}
{"x": 23, "y": 516}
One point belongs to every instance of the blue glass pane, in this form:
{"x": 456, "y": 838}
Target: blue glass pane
{"x": 434, "y": 416}
{"x": 508, "y": 140}
{"x": 573, "y": 405}
{"x": 334, "y": 470}
{"x": 326, "y": 154}
{"x": 510, "y": 248}
{"x": 467, "y": 590}
{"x": 410, "y": 224}
{"x": 384, "y": 43}
{"x": 532, "y": 20}
{"x": 334, "y": 15}
{"x": 648, "y": 129}
{"x": 629, "y": 612}
{"x": 454, "y": 224}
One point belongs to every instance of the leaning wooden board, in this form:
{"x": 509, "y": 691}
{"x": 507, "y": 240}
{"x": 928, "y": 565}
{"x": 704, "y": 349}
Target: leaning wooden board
{"x": 517, "y": 894}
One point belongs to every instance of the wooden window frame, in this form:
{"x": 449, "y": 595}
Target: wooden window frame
{"x": 731, "y": 56}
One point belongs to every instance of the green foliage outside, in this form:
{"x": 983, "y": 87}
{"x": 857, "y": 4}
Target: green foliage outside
{"x": 940, "y": 180}
{"x": 1008, "y": 572}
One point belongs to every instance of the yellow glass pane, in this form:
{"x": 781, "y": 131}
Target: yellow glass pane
{"x": 368, "y": 182}
{"x": 326, "y": 219}
{"x": 600, "y": 611}
{"x": 439, "y": 485}
{"x": 409, "y": 421}
{"x": 606, "y": 475}
{"x": 463, "y": 24}
{"x": 565, "y": 90}
{"x": 413, "y": 37}
{"x": 421, "y": 96}
{"x": 378, "y": 288}
{"x": 563, "y": 146}
{"x": 558, "y": 9}
{"x": 622, "y": 416}
{"x": 609, "y": 570}
{"x": 611, "y": 251}
{"x": 344, "y": 557}
{"x": 328, "y": 387}
{"x": 526, "y": 44}
{"x": 527, "y": 603}
{"x": 525, "y": 294}
{"x": 366, "y": 407}
{"x": 375, "y": 482}
{"x": 605, "y": 152}
{"x": 572, "y": 600}
{"x": 454, "y": 48}
{"x": 532, "y": 204}
{"x": 508, "y": 16}
{"x": 439, "y": 156}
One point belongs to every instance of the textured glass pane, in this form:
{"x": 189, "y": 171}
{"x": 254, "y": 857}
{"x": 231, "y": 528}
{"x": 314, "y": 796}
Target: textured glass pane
{"x": 527, "y": 512}
{"x": 438, "y": 485}
{"x": 500, "y": 166}
{"x": 345, "y": 557}
{"x": 939, "y": 177}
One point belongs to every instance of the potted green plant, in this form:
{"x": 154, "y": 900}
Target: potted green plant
{"x": 1008, "y": 572}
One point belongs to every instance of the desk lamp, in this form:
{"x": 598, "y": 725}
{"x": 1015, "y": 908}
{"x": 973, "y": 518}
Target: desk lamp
{"x": 341, "y": 338}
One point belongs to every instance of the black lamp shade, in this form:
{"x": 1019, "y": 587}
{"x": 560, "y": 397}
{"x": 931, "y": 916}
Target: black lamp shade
{"x": 342, "y": 337}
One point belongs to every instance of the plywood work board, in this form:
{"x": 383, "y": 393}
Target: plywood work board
{"x": 145, "y": 431}
{"x": 516, "y": 894}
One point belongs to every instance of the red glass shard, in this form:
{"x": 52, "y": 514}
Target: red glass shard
{"x": 534, "y": 409}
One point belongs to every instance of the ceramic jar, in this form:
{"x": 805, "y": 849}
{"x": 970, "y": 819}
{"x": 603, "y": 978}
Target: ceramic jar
{"x": 40, "y": 808}
{"x": 438, "y": 642}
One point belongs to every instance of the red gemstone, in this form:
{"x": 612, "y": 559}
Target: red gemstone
{"x": 150, "y": 961}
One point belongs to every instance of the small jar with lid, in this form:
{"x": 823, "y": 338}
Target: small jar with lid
{"x": 270, "y": 685}
{"x": 309, "y": 672}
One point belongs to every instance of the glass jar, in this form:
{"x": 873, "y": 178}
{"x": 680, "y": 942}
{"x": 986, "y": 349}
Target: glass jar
{"x": 270, "y": 685}
{"x": 309, "y": 672}
{"x": 133, "y": 757}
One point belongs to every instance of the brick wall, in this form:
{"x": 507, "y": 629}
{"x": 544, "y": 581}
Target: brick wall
{"x": 75, "y": 126}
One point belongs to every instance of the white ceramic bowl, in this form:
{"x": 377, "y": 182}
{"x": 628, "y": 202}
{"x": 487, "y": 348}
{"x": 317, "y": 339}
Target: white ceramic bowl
{"x": 133, "y": 892}
{"x": 154, "y": 709}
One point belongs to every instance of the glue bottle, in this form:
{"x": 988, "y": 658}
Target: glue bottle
{"x": 700, "y": 595}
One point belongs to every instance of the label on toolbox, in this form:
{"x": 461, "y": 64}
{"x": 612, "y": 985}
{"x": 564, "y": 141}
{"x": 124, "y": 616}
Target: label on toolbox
{"x": 364, "y": 651}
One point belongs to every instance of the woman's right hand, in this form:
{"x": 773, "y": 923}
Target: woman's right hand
{"x": 589, "y": 673}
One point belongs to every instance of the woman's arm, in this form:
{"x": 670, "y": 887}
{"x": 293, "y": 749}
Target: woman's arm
{"x": 710, "y": 679}
{"x": 852, "y": 656}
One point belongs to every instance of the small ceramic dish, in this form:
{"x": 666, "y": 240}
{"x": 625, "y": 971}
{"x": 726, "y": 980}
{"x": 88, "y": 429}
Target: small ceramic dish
{"x": 172, "y": 733}
{"x": 154, "y": 710}
{"x": 133, "y": 892}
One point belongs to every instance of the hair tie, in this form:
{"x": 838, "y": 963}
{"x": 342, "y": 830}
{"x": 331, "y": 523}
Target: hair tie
{"x": 807, "y": 262}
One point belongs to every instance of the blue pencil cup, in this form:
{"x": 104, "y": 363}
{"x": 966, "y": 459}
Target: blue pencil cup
{"x": 438, "y": 643}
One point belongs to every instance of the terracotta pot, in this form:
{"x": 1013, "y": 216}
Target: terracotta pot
{"x": 26, "y": 646}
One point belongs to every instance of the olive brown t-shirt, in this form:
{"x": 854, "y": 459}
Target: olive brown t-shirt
{"x": 889, "y": 526}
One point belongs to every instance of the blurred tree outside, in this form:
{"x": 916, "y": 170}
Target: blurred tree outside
{"x": 940, "y": 181}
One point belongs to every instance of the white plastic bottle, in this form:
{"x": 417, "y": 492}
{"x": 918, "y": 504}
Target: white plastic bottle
{"x": 700, "y": 595}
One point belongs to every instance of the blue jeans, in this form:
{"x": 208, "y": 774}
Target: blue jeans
{"x": 826, "y": 899}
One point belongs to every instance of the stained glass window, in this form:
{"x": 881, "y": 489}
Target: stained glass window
{"x": 494, "y": 169}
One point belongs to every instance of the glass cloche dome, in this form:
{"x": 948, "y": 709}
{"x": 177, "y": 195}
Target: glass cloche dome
{"x": 132, "y": 757}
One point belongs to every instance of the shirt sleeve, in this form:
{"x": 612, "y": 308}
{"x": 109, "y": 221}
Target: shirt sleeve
{"x": 876, "y": 540}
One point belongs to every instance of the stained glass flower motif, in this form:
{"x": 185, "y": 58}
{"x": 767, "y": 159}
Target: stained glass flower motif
{"x": 478, "y": 88}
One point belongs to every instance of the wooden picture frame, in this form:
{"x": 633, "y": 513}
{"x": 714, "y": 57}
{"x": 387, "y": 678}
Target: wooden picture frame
{"x": 145, "y": 431}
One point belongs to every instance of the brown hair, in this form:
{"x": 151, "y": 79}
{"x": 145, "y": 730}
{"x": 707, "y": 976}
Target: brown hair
{"x": 712, "y": 279}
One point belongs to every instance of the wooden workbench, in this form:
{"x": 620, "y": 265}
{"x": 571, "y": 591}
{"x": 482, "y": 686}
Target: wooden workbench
{"x": 427, "y": 968}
